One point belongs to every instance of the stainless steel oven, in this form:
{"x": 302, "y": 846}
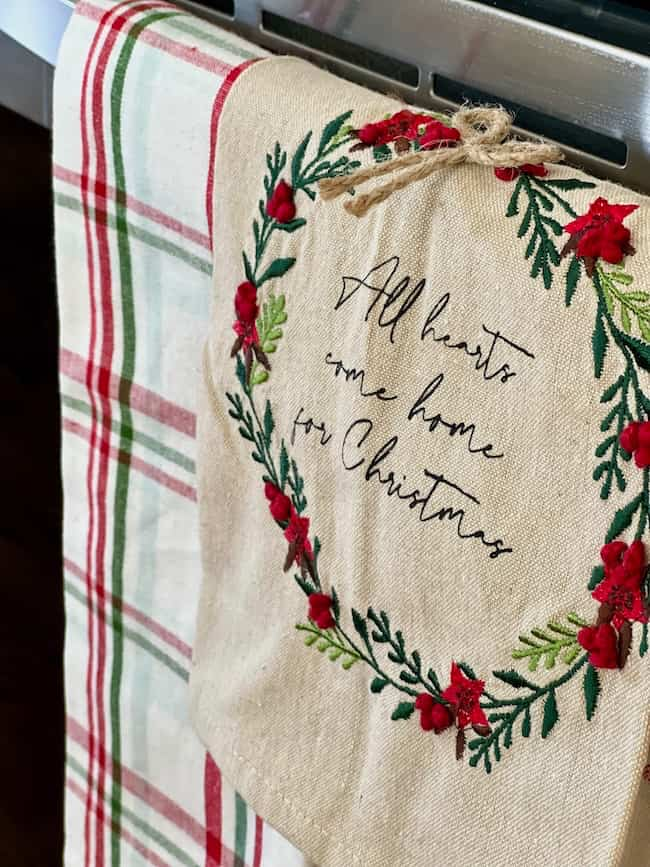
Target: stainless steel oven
{"x": 576, "y": 71}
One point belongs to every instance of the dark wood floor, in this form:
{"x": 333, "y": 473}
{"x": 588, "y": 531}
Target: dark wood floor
{"x": 31, "y": 584}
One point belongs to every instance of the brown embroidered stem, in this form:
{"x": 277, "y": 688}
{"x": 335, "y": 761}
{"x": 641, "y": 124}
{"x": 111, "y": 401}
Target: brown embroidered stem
{"x": 482, "y": 130}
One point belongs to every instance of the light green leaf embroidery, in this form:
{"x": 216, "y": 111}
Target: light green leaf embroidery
{"x": 629, "y": 306}
{"x": 326, "y": 641}
{"x": 545, "y": 646}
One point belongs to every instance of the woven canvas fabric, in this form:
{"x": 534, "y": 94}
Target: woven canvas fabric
{"x": 138, "y": 96}
{"x": 468, "y": 532}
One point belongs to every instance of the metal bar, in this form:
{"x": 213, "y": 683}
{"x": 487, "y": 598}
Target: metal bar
{"x": 574, "y": 78}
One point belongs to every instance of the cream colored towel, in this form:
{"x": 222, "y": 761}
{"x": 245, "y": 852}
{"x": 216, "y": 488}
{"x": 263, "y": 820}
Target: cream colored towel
{"x": 454, "y": 424}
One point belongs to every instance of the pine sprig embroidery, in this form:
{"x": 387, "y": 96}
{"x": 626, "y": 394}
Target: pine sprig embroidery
{"x": 327, "y": 642}
{"x": 628, "y": 305}
{"x": 546, "y": 645}
{"x": 517, "y": 711}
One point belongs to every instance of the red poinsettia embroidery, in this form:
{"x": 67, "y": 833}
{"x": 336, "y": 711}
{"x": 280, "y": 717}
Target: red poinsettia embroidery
{"x": 509, "y": 173}
{"x": 622, "y": 602}
{"x": 600, "y": 233}
{"x": 460, "y": 705}
{"x": 463, "y": 695}
{"x": 621, "y": 588}
{"x": 405, "y": 126}
{"x": 246, "y": 309}
{"x": 320, "y": 613}
{"x": 635, "y": 439}
{"x": 281, "y": 205}
{"x": 297, "y": 535}
{"x": 434, "y": 716}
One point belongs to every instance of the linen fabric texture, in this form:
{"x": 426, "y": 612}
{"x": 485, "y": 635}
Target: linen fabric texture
{"x": 305, "y": 741}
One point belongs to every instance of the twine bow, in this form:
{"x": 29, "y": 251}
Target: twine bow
{"x": 483, "y": 132}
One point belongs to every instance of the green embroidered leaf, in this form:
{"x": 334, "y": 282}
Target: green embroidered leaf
{"x": 618, "y": 415}
{"x": 403, "y": 710}
{"x": 326, "y": 640}
{"x": 292, "y": 225}
{"x": 284, "y": 465}
{"x": 513, "y": 678}
{"x": 551, "y": 714}
{"x": 272, "y": 316}
{"x": 641, "y": 351}
{"x": 525, "y": 724}
{"x": 467, "y": 671}
{"x": 298, "y": 157}
{"x": 568, "y": 184}
{"x": 599, "y": 343}
{"x": 269, "y": 424}
{"x": 572, "y": 278}
{"x": 306, "y": 586}
{"x": 381, "y": 153}
{"x": 247, "y": 268}
{"x": 541, "y": 246}
{"x": 331, "y": 129}
{"x": 277, "y": 268}
{"x": 259, "y": 376}
{"x": 623, "y": 518}
{"x": 540, "y": 646}
{"x": 597, "y": 575}
{"x": 591, "y": 687}
{"x": 378, "y": 684}
{"x": 336, "y": 605}
{"x": 240, "y": 370}
{"x": 433, "y": 679}
{"x": 643, "y": 646}
{"x": 512, "y": 209}
{"x": 360, "y": 625}
{"x": 630, "y": 305}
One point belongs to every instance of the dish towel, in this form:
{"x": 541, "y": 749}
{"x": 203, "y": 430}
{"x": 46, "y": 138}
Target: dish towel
{"x": 424, "y": 458}
{"x": 139, "y": 91}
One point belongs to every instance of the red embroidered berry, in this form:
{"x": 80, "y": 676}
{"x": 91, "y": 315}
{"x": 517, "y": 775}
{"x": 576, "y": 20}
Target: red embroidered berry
{"x": 246, "y": 303}
{"x": 281, "y": 205}
{"x": 434, "y": 716}
{"x": 320, "y": 610}
{"x": 538, "y": 170}
{"x": 285, "y": 212}
{"x": 509, "y": 173}
{"x": 437, "y": 134}
{"x": 280, "y": 507}
{"x": 279, "y": 504}
{"x": 369, "y": 133}
{"x": 635, "y": 439}
{"x": 602, "y": 644}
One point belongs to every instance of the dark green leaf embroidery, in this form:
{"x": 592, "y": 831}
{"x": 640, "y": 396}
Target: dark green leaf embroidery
{"x": 591, "y": 687}
{"x": 551, "y": 714}
{"x": 403, "y": 710}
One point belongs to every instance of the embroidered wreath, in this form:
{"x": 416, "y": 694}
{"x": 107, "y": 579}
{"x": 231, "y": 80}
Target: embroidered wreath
{"x": 620, "y": 582}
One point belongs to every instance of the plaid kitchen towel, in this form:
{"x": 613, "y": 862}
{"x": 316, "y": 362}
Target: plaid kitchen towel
{"x": 424, "y": 451}
{"x": 139, "y": 91}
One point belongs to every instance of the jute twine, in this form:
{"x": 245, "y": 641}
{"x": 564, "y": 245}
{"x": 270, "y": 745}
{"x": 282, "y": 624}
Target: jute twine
{"x": 482, "y": 130}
